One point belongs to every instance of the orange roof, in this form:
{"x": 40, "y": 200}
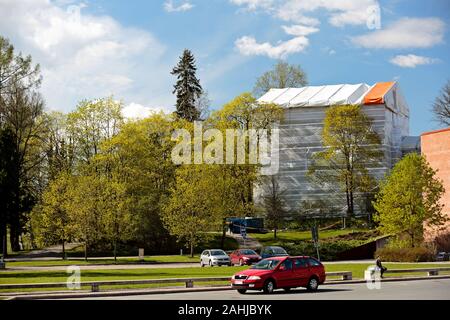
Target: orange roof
{"x": 435, "y": 131}
{"x": 377, "y": 93}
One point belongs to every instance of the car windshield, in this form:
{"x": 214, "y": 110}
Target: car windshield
{"x": 277, "y": 250}
{"x": 248, "y": 251}
{"x": 218, "y": 253}
{"x": 268, "y": 264}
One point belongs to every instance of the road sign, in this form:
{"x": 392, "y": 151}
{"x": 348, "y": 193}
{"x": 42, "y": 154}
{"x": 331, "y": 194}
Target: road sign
{"x": 243, "y": 232}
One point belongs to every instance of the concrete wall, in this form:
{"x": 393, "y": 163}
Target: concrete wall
{"x": 436, "y": 148}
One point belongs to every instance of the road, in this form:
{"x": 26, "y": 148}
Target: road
{"x": 401, "y": 290}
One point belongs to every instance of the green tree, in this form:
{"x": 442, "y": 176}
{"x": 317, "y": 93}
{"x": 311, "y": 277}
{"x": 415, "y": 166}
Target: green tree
{"x": 187, "y": 87}
{"x": 139, "y": 157}
{"x": 92, "y": 123}
{"x": 116, "y": 217}
{"x": 189, "y": 212}
{"x": 50, "y": 219}
{"x": 20, "y": 113}
{"x": 85, "y": 210}
{"x": 274, "y": 204}
{"x": 283, "y": 75}
{"x": 409, "y": 198}
{"x": 441, "y": 106}
{"x": 350, "y": 147}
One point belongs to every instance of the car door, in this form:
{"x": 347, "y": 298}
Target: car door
{"x": 284, "y": 275}
{"x": 301, "y": 272}
{"x": 205, "y": 257}
{"x": 234, "y": 257}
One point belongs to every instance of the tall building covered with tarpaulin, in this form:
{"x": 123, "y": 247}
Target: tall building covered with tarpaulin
{"x": 301, "y": 137}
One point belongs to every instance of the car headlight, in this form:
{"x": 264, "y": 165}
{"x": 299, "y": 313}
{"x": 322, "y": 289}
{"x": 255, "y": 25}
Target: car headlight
{"x": 254, "y": 278}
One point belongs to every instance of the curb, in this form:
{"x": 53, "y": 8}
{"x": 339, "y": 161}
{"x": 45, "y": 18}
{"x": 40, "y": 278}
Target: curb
{"x": 115, "y": 293}
{"x": 188, "y": 290}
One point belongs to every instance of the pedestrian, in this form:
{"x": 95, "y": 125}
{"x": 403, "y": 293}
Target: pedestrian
{"x": 380, "y": 266}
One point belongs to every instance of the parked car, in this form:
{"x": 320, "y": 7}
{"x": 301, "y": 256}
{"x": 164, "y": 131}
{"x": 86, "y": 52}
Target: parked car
{"x": 442, "y": 256}
{"x": 280, "y": 273}
{"x": 272, "y": 251}
{"x": 214, "y": 257}
{"x": 244, "y": 257}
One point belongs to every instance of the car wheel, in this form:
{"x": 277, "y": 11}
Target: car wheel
{"x": 201, "y": 264}
{"x": 287, "y": 289}
{"x": 210, "y": 263}
{"x": 241, "y": 262}
{"x": 313, "y": 284}
{"x": 269, "y": 286}
{"x": 241, "y": 291}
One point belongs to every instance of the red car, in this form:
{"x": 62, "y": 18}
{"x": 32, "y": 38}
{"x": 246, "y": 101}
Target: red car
{"x": 244, "y": 257}
{"x": 280, "y": 273}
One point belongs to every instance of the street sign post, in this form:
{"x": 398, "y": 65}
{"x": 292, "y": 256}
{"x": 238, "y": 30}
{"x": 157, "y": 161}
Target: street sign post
{"x": 315, "y": 237}
{"x": 243, "y": 232}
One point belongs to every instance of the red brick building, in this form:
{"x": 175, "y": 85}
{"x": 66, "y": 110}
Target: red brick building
{"x": 435, "y": 147}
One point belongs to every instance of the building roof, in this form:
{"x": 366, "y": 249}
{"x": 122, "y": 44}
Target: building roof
{"x": 435, "y": 131}
{"x": 381, "y": 93}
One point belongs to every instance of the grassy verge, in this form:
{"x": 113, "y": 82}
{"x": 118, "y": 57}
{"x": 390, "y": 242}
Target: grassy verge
{"x": 97, "y": 261}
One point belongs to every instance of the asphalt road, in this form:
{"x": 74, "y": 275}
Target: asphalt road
{"x": 401, "y": 290}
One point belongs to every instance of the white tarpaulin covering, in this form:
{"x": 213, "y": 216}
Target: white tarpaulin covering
{"x": 288, "y": 95}
{"x": 322, "y": 98}
{"x": 271, "y": 95}
{"x": 319, "y": 96}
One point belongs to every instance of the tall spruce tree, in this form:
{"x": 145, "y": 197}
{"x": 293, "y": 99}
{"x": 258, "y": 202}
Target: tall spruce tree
{"x": 187, "y": 88}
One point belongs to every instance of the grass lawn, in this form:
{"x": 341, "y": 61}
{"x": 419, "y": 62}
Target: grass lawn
{"x": 292, "y": 236}
{"x": 79, "y": 261}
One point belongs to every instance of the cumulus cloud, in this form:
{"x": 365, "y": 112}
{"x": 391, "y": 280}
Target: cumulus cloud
{"x": 249, "y": 46}
{"x": 340, "y": 13}
{"x": 300, "y": 14}
{"x": 412, "y": 61}
{"x": 404, "y": 34}
{"x": 138, "y": 111}
{"x": 84, "y": 55}
{"x": 169, "y": 6}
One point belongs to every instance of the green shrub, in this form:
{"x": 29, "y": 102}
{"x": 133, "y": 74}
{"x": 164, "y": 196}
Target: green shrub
{"x": 395, "y": 254}
{"x": 328, "y": 250}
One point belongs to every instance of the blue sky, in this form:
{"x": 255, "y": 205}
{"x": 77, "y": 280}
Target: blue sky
{"x": 90, "y": 49}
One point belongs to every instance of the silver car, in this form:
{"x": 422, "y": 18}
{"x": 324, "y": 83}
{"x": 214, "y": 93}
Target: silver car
{"x": 214, "y": 257}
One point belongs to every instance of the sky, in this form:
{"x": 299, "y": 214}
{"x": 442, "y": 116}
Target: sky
{"x": 95, "y": 48}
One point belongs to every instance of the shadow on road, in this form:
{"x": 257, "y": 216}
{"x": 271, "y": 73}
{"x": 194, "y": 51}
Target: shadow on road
{"x": 296, "y": 291}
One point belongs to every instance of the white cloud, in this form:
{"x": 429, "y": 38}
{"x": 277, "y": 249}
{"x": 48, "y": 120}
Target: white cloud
{"x": 340, "y": 13}
{"x": 412, "y": 61}
{"x": 405, "y": 33}
{"x": 86, "y": 56}
{"x": 299, "y": 12}
{"x": 249, "y": 46}
{"x": 252, "y": 5}
{"x": 138, "y": 111}
{"x": 170, "y": 7}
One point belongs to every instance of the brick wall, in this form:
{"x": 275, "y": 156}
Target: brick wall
{"x": 436, "y": 148}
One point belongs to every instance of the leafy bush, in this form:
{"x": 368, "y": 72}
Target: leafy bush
{"x": 442, "y": 242}
{"x": 416, "y": 254}
{"x": 328, "y": 250}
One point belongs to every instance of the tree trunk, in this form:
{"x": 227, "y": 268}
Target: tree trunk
{"x": 115, "y": 251}
{"x": 275, "y": 233}
{"x": 63, "y": 250}
{"x": 14, "y": 236}
{"x": 4, "y": 233}
{"x": 192, "y": 250}
{"x": 85, "y": 251}
{"x": 222, "y": 241}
